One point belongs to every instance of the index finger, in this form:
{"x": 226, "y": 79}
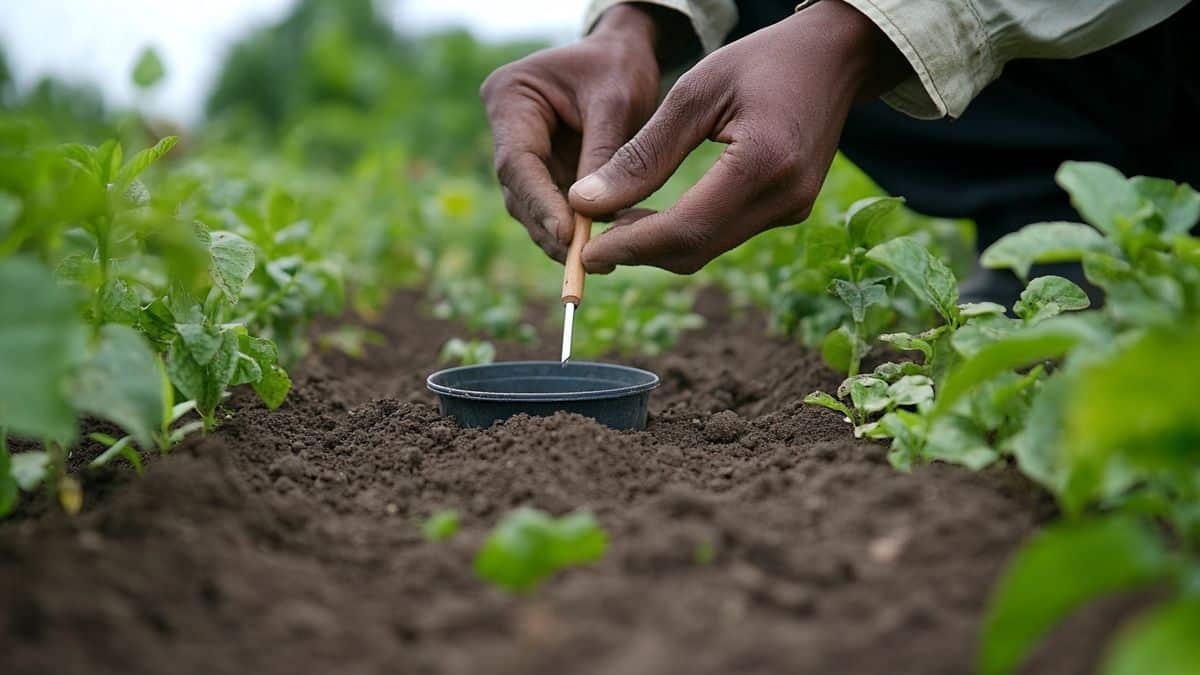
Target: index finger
{"x": 709, "y": 219}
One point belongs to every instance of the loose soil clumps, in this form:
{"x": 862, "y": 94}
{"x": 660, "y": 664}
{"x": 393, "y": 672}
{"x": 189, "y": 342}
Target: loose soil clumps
{"x": 749, "y": 533}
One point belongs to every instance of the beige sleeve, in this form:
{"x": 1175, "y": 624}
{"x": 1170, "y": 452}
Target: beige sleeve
{"x": 712, "y": 19}
{"x": 958, "y": 47}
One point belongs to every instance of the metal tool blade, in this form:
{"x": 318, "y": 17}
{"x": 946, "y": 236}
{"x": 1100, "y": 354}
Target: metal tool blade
{"x": 568, "y": 326}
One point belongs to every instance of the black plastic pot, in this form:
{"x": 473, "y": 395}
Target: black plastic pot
{"x": 477, "y": 396}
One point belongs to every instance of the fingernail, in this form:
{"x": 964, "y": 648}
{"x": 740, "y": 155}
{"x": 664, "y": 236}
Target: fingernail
{"x": 551, "y": 225}
{"x": 590, "y": 188}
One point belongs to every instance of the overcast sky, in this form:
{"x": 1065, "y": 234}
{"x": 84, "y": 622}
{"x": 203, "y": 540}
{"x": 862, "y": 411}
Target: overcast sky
{"x": 98, "y": 40}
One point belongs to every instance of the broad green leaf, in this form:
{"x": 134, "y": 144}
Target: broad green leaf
{"x": 120, "y": 303}
{"x": 1162, "y": 641}
{"x": 248, "y": 371}
{"x": 1100, "y": 193}
{"x": 825, "y": 245}
{"x": 864, "y": 216}
{"x": 859, "y": 296}
{"x": 10, "y": 210}
{"x": 1038, "y": 445}
{"x": 890, "y": 372}
{"x": 958, "y": 440}
{"x": 911, "y": 390}
{"x": 1047, "y": 340}
{"x": 29, "y": 469}
{"x": 149, "y": 69}
{"x": 838, "y": 349}
{"x": 9, "y": 490}
{"x": 982, "y": 331}
{"x": 825, "y": 400}
{"x": 869, "y": 394}
{"x": 232, "y": 263}
{"x": 185, "y": 373}
{"x": 1056, "y": 572}
{"x": 970, "y": 309}
{"x": 927, "y": 276}
{"x": 907, "y": 431}
{"x": 441, "y": 525}
{"x": 528, "y": 545}
{"x": 1045, "y": 243}
{"x": 121, "y": 383}
{"x": 219, "y": 373}
{"x": 201, "y": 340}
{"x": 274, "y": 386}
{"x": 1142, "y": 406}
{"x": 908, "y": 342}
{"x": 1178, "y": 204}
{"x": 1049, "y": 296}
{"x": 142, "y": 160}
{"x": 41, "y": 337}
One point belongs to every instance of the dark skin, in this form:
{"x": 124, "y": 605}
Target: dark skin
{"x": 576, "y": 128}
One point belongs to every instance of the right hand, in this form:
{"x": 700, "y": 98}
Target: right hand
{"x": 561, "y": 113}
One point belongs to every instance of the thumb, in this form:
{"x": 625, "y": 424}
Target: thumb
{"x": 640, "y": 167}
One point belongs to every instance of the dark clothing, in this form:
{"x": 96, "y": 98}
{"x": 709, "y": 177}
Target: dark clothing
{"x": 1135, "y": 106}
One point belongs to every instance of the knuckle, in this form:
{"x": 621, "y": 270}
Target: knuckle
{"x": 635, "y": 158}
{"x": 499, "y": 80}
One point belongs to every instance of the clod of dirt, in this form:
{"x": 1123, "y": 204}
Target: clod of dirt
{"x": 724, "y": 427}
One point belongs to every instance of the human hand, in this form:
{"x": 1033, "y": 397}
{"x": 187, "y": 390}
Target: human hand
{"x": 561, "y": 113}
{"x": 778, "y": 98}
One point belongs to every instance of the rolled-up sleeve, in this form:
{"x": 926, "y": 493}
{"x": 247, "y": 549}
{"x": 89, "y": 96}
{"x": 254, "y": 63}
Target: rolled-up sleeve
{"x": 958, "y": 47}
{"x": 712, "y": 19}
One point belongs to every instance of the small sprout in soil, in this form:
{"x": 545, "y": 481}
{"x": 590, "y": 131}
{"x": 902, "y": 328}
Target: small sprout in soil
{"x": 441, "y": 525}
{"x": 704, "y": 553}
{"x": 529, "y": 545}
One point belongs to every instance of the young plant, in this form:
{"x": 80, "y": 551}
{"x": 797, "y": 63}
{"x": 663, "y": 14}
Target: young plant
{"x": 441, "y": 525}
{"x": 528, "y": 545}
{"x": 467, "y": 352}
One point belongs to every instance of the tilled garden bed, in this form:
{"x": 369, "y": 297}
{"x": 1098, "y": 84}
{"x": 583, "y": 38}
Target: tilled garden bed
{"x": 748, "y": 533}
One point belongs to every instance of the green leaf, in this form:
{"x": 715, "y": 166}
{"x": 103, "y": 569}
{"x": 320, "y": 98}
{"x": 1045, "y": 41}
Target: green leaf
{"x": 908, "y": 342}
{"x": 120, "y": 303}
{"x": 958, "y": 440}
{"x": 1047, "y": 340}
{"x": 248, "y": 371}
{"x": 911, "y": 390}
{"x": 201, "y": 340}
{"x": 41, "y": 337}
{"x": 927, "y": 276}
{"x": 907, "y": 431}
{"x": 528, "y": 545}
{"x": 1100, "y": 193}
{"x": 1139, "y": 406}
{"x": 869, "y": 394}
{"x": 121, "y": 383}
{"x": 274, "y": 386}
{"x": 1058, "y": 571}
{"x": 185, "y": 373}
{"x": 1045, "y": 243}
{"x": 1049, "y": 296}
{"x": 232, "y": 263}
{"x": 144, "y": 159}
{"x": 149, "y": 69}
{"x": 982, "y": 331}
{"x": 29, "y": 469}
{"x": 219, "y": 373}
{"x": 1162, "y": 641}
{"x": 441, "y": 525}
{"x": 9, "y": 492}
{"x": 859, "y": 296}
{"x": 838, "y": 349}
{"x": 971, "y": 309}
{"x": 825, "y": 400}
{"x": 864, "y": 216}
{"x": 1178, "y": 204}
{"x": 825, "y": 245}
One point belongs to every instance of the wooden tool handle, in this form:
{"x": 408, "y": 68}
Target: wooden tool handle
{"x": 573, "y": 269}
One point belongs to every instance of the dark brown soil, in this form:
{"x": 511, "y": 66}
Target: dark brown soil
{"x": 288, "y": 542}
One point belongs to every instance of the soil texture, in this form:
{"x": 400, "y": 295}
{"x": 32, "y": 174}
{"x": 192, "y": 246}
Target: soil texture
{"x": 749, "y": 534}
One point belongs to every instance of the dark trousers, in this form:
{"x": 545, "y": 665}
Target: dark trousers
{"x": 1134, "y": 105}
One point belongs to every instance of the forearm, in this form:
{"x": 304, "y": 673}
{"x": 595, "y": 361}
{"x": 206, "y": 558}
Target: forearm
{"x": 667, "y": 31}
{"x": 687, "y": 28}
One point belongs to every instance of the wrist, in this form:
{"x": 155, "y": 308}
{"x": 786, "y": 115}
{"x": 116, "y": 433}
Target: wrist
{"x": 666, "y": 32}
{"x": 862, "y": 50}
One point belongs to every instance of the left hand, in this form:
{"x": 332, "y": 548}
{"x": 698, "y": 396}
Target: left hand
{"x": 778, "y": 98}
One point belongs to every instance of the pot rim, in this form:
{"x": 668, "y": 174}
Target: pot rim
{"x": 652, "y": 382}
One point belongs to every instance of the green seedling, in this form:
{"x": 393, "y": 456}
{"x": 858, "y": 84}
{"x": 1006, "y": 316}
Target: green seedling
{"x": 528, "y": 545}
{"x": 441, "y": 525}
{"x": 467, "y": 352}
